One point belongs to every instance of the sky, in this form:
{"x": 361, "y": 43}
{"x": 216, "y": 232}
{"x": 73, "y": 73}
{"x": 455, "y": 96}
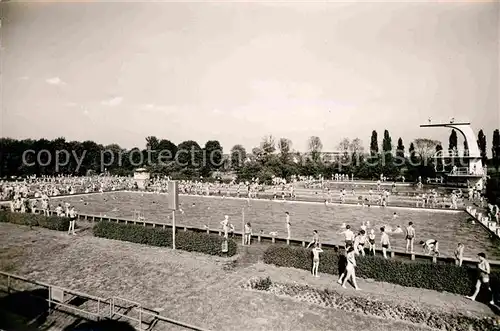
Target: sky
{"x": 116, "y": 72}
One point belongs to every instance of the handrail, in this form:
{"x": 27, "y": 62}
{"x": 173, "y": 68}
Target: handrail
{"x": 99, "y": 300}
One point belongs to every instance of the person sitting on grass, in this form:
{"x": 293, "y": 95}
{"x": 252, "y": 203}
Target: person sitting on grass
{"x": 430, "y": 246}
{"x": 316, "y": 250}
{"x": 483, "y": 267}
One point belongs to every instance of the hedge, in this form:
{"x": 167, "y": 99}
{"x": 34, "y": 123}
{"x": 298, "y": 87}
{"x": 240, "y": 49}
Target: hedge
{"x": 433, "y": 276}
{"x": 49, "y": 222}
{"x": 184, "y": 240}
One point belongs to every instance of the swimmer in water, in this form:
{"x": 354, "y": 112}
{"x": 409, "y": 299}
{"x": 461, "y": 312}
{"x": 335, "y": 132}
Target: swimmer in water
{"x": 398, "y": 230}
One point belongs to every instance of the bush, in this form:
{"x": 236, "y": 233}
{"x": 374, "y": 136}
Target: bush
{"x": 48, "y": 222}
{"x": 433, "y": 276}
{"x": 184, "y": 240}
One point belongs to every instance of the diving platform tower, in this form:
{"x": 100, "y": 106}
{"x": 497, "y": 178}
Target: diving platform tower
{"x": 470, "y": 171}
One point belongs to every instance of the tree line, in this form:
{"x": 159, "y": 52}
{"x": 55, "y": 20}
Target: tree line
{"x": 272, "y": 157}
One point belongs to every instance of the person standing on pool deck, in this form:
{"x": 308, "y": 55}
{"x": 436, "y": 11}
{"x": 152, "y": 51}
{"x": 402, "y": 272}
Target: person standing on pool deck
{"x": 385, "y": 242}
{"x": 225, "y": 224}
{"x": 248, "y": 233}
{"x": 315, "y": 240}
{"x": 484, "y": 277}
{"x": 371, "y": 241}
{"x": 72, "y": 221}
{"x": 349, "y": 270}
{"x": 359, "y": 242}
{"x": 348, "y": 236}
{"x": 288, "y": 225}
{"x": 459, "y": 254}
{"x": 316, "y": 250}
{"x": 410, "y": 237}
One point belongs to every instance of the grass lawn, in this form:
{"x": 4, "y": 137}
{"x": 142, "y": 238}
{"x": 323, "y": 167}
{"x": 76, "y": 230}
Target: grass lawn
{"x": 194, "y": 288}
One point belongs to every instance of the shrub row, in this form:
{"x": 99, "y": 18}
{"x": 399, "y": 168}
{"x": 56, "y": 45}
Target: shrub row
{"x": 416, "y": 314}
{"x": 185, "y": 240}
{"x": 433, "y": 276}
{"x": 48, "y": 222}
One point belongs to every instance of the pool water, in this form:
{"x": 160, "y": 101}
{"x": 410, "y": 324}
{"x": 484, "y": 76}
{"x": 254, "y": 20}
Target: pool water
{"x": 448, "y": 227}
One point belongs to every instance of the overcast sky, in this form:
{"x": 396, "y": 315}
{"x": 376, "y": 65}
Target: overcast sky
{"x": 117, "y": 72}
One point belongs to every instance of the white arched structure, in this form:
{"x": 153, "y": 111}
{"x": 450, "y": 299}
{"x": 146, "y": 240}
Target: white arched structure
{"x": 474, "y": 172}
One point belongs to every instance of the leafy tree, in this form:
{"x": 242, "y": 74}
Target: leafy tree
{"x": 481, "y": 142}
{"x": 238, "y": 157}
{"x": 357, "y": 150}
{"x": 425, "y": 148}
{"x": 212, "y": 156}
{"x": 285, "y": 146}
{"x": 344, "y": 147}
{"x": 315, "y": 146}
{"x": 152, "y": 143}
{"x": 268, "y": 145}
{"x": 189, "y": 155}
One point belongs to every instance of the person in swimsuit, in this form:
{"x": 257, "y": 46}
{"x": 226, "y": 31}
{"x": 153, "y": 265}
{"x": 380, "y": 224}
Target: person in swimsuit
{"x": 248, "y": 234}
{"x": 371, "y": 241}
{"x": 316, "y": 250}
{"x": 410, "y": 237}
{"x": 315, "y": 239}
{"x": 359, "y": 242}
{"x": 384, "y": 241}
{"x": 484, "y": 277}
{"x": 430, "y": 246}
{"x": 349, "y": 270}
{"x": 348, "y": 236}
{"x": 459, "y": 254}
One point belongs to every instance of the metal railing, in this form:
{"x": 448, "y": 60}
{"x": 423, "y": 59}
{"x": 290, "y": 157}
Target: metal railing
{"x": 56, "y": 298}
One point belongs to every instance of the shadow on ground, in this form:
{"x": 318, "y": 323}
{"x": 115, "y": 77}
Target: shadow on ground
{"x": 26, "y": 310}
{"x": 104, "y": 325}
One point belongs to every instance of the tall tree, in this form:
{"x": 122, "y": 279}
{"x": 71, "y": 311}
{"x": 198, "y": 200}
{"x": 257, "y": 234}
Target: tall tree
{"x": 466, "y": 148}
{"x": 374, "y": 143}
{"x": 400, "y": 154}
{"x": 412, "y": 153}
{"x": 400, "y": 149}
{"x": 495, "y": 149}
{"x": 387, "y": 143}
{"x": 315, "y": 146}
{"x": 387, "y": 148}
{"x": 481, "y": 142}
{"x": 453, "y": 142}
{"x": 439, "y": 160}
